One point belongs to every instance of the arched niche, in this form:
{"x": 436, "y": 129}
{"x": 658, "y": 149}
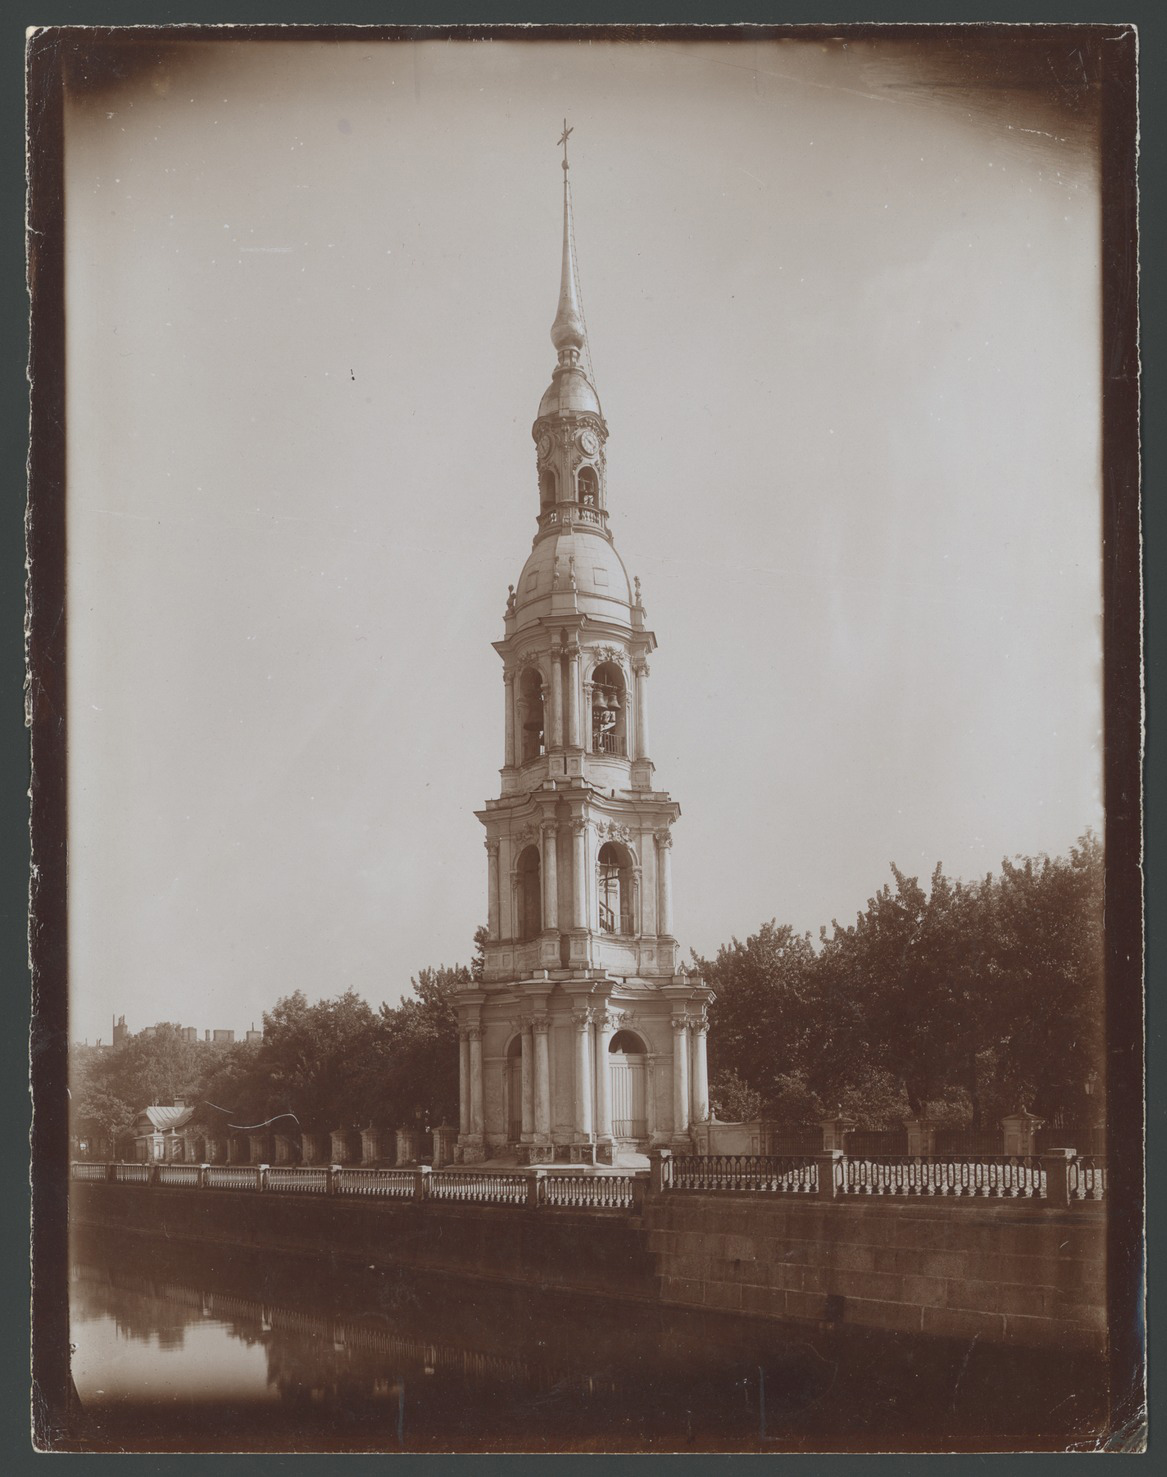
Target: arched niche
{"x": 587, "y": 487}
{"x": 529, "y": 921}
{"x": 548, "y": 488}
{"x": 514, "y": 1089}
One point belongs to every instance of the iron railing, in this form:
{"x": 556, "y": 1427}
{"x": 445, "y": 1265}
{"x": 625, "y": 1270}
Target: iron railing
{"x": 479, "y": 1189}
{"x": 1086, "y": 1177}
{"x": 383, "y": 1184}
{"x": 1011, "y": 1177}
{"x": 768, "y": 1172}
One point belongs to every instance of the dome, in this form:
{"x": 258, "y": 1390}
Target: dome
{"x": 569, "y": 393}
{"x": 601, "y": 581}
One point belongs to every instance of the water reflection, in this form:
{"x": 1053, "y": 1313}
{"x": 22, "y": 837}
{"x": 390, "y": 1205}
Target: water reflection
{"x": 192, "y": 1349}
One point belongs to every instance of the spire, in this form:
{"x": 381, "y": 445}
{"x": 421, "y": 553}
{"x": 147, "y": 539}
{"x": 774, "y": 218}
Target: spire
{"x": 568, "y": 330}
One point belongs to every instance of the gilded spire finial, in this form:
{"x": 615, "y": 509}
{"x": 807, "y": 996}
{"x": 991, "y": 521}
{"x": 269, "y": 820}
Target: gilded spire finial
{"x": 567, "y": 332}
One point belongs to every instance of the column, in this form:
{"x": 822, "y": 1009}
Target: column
{"x": 700, "y": 1096}
{"x": 664, "y": 844}
{"x": 550, "y": 878}
{"x": 579, "y": 882}
{"x": 463, "y": 1082}
{"x": 680, "y": 1075}
{"x": 604, "y": 1029}
{"x": 492, "y": 889}
{"x": 555, "y": 739}
{"x": 587, "y": 717}
{"x": 508, "y": 681}
{"x": 583, "y": 1073}
{"x": 573, "y": 738}
{"x": 528, "y": 1080}
{"x": 642, "y": 710}
{"x": 637, "y": 917}
{"x": 539, "y": 1028}
{"x": 476, "y": 1113}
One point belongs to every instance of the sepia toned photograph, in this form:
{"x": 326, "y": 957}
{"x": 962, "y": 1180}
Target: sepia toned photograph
{"x": 585, "y": 690}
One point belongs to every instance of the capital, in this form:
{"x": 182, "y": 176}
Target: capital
{"x": 474, "y": 1033}
{"x": 640, "y": 668}
{"x": 491, "y": 845}
{"x": 579, "y": 827}
{"x": 582, "y": 1018}
{"x": 664, "y": 840}
{"x": 540, "y": 1024}
{"x": 680, "y": 1024}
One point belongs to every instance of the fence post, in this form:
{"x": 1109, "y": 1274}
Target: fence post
{"x": 201, "y": 1183}
{"x": 829, "y": 1165}
{"x": 1056, "y": 1163}
{"x": 421, "y": 1182}
{"x": 639, "y": 1192}
{"x": 660, "y": 1172}
{"x": 535, "y": 1190}
{"x": 111, "y": 1173}
{"x": 152, "y": 1177}
{"x": 333, "y": 1171}
{"x": 261, "y": 1176}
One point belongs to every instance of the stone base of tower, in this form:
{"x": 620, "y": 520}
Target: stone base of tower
{"x": 469, "y": 1149}
{"x": 580, "y": 1068}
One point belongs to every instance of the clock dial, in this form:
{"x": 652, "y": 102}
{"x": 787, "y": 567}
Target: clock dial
{"x": 544, "y": 445}
{"x": 588, "y": 441}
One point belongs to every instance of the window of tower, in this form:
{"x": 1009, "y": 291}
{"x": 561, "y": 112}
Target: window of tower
{"x": 614, "y": 876}
{"x": 531, "y": 714}
{"x": 609, "y": 710}
{"x": 547, "y": 488}
{"x": 589, "y": 487}
{"x": 530, "y": 912}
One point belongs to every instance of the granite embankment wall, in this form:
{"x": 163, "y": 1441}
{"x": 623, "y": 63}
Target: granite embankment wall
{"x": 580, "y": 1252}
{"x": 1000, "y": 1272}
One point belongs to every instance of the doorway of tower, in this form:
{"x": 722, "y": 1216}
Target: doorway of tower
{"x": 628, "y": 1066}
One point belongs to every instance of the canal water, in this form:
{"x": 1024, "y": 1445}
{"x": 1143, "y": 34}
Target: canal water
{"x": 201, "y": 1349}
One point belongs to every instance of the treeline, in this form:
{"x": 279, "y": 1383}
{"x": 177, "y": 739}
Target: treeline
{"x": 962, "y": 1000}
{"x": 333, "y": 1064}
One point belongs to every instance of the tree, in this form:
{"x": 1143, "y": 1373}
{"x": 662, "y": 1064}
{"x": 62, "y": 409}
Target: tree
{"x": 419, "y": 1047}
{"x": 1049, "y": 960}
{"x": 760, "y": 1018}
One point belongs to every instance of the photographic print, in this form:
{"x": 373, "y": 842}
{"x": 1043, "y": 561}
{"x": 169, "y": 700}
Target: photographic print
{"x": 487, "y": 1031}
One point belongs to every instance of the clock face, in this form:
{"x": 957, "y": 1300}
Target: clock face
{"x": 544, "y": 445}
{"x": 588, "y": 441}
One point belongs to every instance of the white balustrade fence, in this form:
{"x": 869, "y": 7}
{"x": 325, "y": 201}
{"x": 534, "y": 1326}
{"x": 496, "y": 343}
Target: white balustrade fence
{"x": 1058, "y": 1180}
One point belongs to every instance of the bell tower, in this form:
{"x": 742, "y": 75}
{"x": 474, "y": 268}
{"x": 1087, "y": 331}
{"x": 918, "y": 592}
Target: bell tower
{"x": 586, "y": 1039}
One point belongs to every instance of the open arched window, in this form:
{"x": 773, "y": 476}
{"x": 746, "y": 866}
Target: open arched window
{"x": 588, "y": 485}
{"x": 547, "y": 488}
{"x": 531, "y": 714}
{"x": 614, "y": 888}
{"x": 530, "y": 919}
{"x": 609, "y": 710}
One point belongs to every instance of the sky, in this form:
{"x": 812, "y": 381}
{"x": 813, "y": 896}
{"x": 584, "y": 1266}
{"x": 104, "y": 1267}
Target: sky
{"x": 843, "y": 310}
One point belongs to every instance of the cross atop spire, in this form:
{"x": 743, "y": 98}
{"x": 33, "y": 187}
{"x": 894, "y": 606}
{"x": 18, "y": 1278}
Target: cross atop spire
{"x": 563, "y": 138}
